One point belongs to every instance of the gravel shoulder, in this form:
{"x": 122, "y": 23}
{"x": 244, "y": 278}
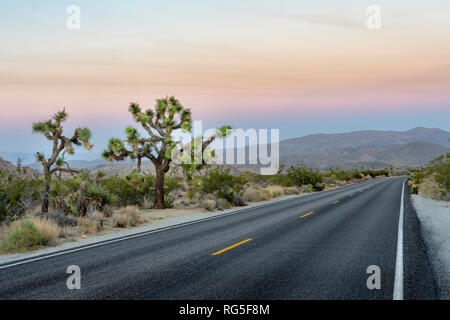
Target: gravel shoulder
{"x": 434, "y": 217}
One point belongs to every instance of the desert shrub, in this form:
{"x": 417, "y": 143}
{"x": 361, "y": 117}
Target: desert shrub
{"x": 291, "y": 191}
{"x": 68, "y": 232}
{"x": 223, "y": 204}
{"x": 20, "y": 236}
{"x": 88, "y": 226}
{"x": 433, "y": 180}
{"x": 59, "y": 190}
{"x": 60, "y": 219}
{"x": 254, "y": 194}
{"x": 17, "y": 194}
{"x": 169, "y": 200}
{"x": 251, "y": 194}
{"x": 172, "y": 183}
{"x": 275, "y": 191}
{"x": 99, "y": 217}
{"x": 223, "y": 184}
{"x": 301, "y": 175}
{"x": 440, "y": 168}
{"x": 191, "y": 194}
{"x": 127, "y": 217}
{"x": 99, "y": 199}
{"x": 127, "y": 193}
{"x": 375, "y": 173}
{"x": 48, "y": 228}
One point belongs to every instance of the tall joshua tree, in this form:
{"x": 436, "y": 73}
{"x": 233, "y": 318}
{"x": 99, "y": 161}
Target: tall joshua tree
{"x": 52, "y": 130}
{"x": 160, "y": 123}
{"x": 191, "y": 164}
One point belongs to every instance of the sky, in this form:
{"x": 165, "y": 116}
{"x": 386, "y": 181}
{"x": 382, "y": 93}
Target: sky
{"x": 302, "y": 67}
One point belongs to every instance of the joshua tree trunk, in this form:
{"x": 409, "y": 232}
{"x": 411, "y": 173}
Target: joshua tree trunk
{"x": 159, "y": 188}
{"x": 47, "y": 178}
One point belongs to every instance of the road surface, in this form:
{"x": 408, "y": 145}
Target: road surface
{"x": 317, "y": 246}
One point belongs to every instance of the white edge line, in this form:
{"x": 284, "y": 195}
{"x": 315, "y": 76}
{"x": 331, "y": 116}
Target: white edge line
{"x": 398, "y": 280}
{"x": 13, "y": 264}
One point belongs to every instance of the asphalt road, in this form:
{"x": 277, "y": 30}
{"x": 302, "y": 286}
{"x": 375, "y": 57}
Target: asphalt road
{"x": 313, "y": 247}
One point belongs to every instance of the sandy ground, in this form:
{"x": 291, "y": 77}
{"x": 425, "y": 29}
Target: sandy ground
{"x": 434, "y": 218}
{"x": 155, "y": 214}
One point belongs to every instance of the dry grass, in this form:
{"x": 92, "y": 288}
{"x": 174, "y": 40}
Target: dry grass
{"x": 68, "y": 232}
{"x": 255, "y": 194}
{"x": 28, "y": 234}
{"x": 127, "y": 217}
{"x": 48, "y": 228}
{"x": 291, "y": 191}
{"x": 88, "y": 226}
{"x": 430, "y": 189}
{"x": 275, "y": 191}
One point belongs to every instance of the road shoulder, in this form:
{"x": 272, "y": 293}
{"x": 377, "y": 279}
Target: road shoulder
{"x": 434, "y": 217}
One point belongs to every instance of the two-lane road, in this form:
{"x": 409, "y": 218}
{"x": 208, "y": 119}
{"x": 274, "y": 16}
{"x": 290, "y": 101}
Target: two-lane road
{"x": 317, "y": 246}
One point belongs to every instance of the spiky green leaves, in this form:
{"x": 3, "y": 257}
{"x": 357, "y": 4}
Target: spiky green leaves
{"x": 84, "y": 134}
{"x": 116, "y": 145}
{"x": 224, "y": 131}
{"x": 186, "y": 126}
{"x": 44, "y": 126}
{"x": 134, "y": 109}
{"x": 61, "y": 115}
{"x": 161, "y": 105}
{"x": 132, "y": 134}
{"x": 59, "y": 162}
{"x": 39, "y": 157}
{"x": 167, "y": 122}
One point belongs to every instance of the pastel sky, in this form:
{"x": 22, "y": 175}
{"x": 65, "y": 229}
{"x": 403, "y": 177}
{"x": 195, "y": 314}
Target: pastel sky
{"x": 301, "y": 66}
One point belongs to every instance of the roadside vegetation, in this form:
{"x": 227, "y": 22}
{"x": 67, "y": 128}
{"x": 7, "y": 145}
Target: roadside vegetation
{"x": 432, "y": 181}
{"x": 65, "y": 203}
{"x": 88, "y": 204}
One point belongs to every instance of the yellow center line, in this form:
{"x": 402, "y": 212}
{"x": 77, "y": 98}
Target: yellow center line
{"x": 307, "y": 214}
{"x": 352, "y": 195}
{"x": 334, "y": 202}
{"x": 231, "y": 247}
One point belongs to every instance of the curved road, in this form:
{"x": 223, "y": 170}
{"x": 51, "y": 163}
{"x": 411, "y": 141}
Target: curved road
{"x": 312, "y": 247}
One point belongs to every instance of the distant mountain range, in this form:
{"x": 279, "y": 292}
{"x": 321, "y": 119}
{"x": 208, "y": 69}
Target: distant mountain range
{"x": 369, "y": 148}
{"x": 372, "y": 148}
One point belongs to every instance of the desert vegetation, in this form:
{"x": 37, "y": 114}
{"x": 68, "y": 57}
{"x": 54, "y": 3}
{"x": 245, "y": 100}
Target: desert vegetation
{"x": 433, "y": 180}
{"x": 64, "y": 203}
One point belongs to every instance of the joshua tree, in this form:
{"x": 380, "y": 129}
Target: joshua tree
{"x": 160, "y": 123}
{"x": 189, "y": 163}
{"x": 52, "y": 129}
{"x": 168, "y": 116}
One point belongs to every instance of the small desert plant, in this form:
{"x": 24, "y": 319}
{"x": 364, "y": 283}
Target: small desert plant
{"x": 275, "y": 191}
{"x": 301, "y": 175}
{"x": 48, "y": 228}
{"x": 223, "y": 184}
{"x": 20, "y": 236}
{"x": 68, "y": 232}
{"x": 127, "y": 217}
{"x": 61, "y": 219}
{"x": 16, "y": 195}
{"x": 88, "y": 226}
